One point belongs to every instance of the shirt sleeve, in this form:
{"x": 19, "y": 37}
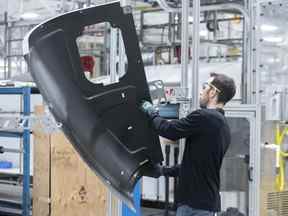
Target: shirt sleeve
{"x": 177, "y": 129}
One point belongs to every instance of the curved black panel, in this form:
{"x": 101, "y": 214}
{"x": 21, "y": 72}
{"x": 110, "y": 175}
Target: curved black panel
{"x": 103, "y": 123}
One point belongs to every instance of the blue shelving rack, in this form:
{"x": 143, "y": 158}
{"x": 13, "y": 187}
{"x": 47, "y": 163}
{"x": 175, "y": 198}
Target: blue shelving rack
{"x": 126, "y": 211}
{"x": 25, "y": 135}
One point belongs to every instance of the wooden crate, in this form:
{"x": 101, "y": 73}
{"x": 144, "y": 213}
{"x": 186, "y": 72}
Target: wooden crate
{"x": 63, "y": 183}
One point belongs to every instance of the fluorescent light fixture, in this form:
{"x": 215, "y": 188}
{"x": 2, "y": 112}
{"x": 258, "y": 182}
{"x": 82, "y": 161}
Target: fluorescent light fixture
{"x": 190, "y": 19}
{"x": 273, "y": 60}
{"x": 29, "y": 16}
{"x": 203, "y": 33}
{"x": 176, "y": 17}
{"x": 273, "y": 39}
{"x": 268, "y": 28}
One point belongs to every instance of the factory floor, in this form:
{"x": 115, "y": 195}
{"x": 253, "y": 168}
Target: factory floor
{"x": 155, "y": 212}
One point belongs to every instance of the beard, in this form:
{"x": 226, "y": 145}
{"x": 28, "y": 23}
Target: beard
{"x": 203, "y": 104}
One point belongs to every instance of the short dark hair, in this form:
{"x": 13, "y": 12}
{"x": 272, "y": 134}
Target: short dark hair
{"x": 226, "y": 85}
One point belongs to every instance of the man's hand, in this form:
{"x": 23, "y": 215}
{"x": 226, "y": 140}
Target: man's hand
{"x": 157, "y": 171}
{"x": 148, "y": 108}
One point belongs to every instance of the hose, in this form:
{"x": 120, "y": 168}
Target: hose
{"x": 281, "y": 157}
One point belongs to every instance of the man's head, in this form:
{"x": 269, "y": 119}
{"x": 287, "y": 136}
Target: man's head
{"x": 217, "y": 91}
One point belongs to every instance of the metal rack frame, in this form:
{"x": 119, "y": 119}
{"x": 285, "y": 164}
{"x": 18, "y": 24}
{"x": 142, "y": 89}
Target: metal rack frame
{"x": 25, "y": 135}
{"x": 250, "y": 112}
{"x": 251, "y": 106}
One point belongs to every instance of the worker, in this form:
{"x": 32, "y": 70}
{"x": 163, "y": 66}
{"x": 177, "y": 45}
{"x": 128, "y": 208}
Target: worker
{"x": 207, "y": 139}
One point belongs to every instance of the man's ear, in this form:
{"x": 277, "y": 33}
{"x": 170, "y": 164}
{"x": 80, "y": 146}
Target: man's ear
{"x": 213, "y": 93}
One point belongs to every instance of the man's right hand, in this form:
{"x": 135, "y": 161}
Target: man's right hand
{"x": 160, "y": 170}
{"x": 157, "y": 171}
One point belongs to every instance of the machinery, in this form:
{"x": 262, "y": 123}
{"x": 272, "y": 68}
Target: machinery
{"x": 244, "y": 39}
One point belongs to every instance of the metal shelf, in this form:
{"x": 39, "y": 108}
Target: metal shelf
{"x": 25, "y": 135}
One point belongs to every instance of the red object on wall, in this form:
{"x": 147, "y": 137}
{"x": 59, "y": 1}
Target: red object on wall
{"x": 87, "y": 63}
{"x": 178, "y": 53}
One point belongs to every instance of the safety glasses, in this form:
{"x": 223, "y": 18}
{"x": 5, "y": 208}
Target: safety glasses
{"x": 205, "y": 84}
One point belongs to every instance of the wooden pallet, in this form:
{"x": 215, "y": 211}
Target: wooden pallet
{"x": 63, "y": 183}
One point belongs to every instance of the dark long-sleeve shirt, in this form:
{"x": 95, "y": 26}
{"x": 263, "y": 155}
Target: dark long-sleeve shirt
{"x": 207, "y": 139}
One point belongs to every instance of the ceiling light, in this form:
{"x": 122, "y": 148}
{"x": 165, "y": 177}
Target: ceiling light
{"x": 269, "y": 28}
{"x": 176, "y": 17}
{"x": 273, "y": 60}
{"x": 190, "y": 19}
{"x": 203, "y": 33}
{"x": 273, "y": 39}
{"x": 29, "y": 16}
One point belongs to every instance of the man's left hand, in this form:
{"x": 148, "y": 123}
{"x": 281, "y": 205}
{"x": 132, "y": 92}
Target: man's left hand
{"x": 148, "y": 108}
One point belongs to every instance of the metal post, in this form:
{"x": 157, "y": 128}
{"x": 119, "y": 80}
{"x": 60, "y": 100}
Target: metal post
{"x": 215, "y": 26}
{"x": 255, "y": 10}
{"x": 247, "y": 81}
{"x": 176, "y": 155}
{"x": 109, "y": 201}
{"x": 254, "y": 78}
{"x": 184, "y": 47}
{"x": 120, "y": 208}
{"x": 244, "y": 75}
{"x": 122, "y": 56}
{"x": 141, "y": 31}
{"x": 184, "y": 108}
{"x": 5, "y": 43}
{"x": 26, "y": 156}
{"x": 106, "y": 67}
{"x": 167, "y": 185}
{"x": 113, "y": 54}
{"x": 8, "y": 56}
{"x": 173, "y": 35}
{"x": 170, "y": 24}
{"x": 195, "y": 62}
{"x": 255, "y": 49}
